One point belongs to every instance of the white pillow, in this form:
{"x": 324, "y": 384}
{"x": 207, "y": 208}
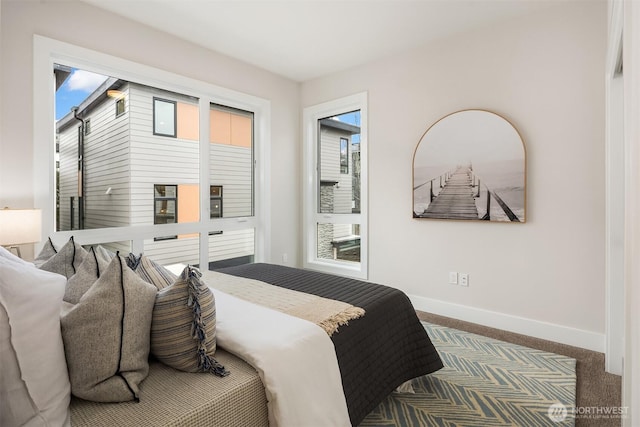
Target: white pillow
{"x": 31, "y": 299}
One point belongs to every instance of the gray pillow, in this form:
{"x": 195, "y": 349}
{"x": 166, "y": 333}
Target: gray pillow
{"x": 47, "y": 252}
{"x": 106, "y": 336}
{"x": 66, "y": 260}
{"x": 86, "y": 274}
{"x": 183, "y": 330}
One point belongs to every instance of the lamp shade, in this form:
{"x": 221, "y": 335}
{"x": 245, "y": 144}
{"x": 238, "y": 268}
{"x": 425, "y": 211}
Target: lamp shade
{"x": 20, "y": 226}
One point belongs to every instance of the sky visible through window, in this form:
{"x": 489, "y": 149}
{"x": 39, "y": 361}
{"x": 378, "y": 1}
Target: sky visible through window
{"x": 352, "y": 118}
{"x": 78, "y": 86}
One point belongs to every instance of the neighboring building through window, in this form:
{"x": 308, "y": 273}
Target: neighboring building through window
{"x": 164, "y": 117}
{"x": 146, "y": 166}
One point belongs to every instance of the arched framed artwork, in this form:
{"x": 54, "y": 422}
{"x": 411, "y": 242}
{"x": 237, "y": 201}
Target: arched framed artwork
{"x": 470, "y": 165}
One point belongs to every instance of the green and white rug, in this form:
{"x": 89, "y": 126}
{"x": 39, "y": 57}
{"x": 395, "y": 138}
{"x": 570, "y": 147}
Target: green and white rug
{"x": 484, "y": 382}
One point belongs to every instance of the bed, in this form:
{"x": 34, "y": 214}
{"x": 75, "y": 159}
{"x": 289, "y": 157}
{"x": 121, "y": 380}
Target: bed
{"x": 375, "y": 354}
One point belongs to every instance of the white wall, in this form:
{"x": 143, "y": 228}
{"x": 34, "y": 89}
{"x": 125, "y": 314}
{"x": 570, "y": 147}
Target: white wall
{"x": 545, "y": 73}
{"x": 81, "y": 24}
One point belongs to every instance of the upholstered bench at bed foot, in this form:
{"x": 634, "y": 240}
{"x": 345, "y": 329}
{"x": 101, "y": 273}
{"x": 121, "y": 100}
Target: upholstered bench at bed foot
{"x": 173, "y": 398}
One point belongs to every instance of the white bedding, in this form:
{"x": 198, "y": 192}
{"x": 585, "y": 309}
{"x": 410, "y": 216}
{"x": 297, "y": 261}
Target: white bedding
{"x": 295, "y": 359}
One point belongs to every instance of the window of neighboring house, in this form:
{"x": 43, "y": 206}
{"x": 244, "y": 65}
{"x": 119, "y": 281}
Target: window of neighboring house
{"x": 165, "y": 201}
{"x": 335, "y": 215}
{"x": 164, "y": 117}
{"x": 215, "y": 201}
{"x": 87, "y": 127}
{"x": 344, "y": 155}
{"x": 120, "y": 107}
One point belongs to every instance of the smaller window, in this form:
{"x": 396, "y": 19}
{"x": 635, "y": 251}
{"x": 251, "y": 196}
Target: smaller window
{"x": 215, "y": 201}
{"x": 165, "y": 201}
{"x": 344, "y": 155}
{"x": 164, "y": 117}
{"x": 87, "y": 127}
{"x": 120, "y": 107}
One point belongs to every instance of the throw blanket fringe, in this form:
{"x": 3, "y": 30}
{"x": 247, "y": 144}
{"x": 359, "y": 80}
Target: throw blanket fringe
{"x": 327, "y": 313}
{"x": 331, "y": 324}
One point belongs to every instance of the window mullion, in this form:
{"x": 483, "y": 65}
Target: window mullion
{"x": 203, "y": 111}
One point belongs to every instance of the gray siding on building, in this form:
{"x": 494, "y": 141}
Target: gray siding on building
{"x": 342, "y": 190}
{"x": 156, "y": 159}
{"x": 230, "y": 244}
{"x": 106, "y": 162}
{"x": 231, "y": 166}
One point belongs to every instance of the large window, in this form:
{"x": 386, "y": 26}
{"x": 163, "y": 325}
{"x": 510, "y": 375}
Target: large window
{"x": 335, "y": 195}
{"x": 125, "y": 180}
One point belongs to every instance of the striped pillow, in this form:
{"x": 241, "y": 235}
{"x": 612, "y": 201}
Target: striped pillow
{"x": 183, "y": 327}
{"x": 154, "y": 273}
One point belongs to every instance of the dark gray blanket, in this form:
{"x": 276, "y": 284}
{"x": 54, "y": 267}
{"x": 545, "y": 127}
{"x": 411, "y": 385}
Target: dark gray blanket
{"x": 377, "y": 352}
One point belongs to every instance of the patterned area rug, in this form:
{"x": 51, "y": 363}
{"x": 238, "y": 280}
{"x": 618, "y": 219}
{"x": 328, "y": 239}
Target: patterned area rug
{"x": 484, "y": 382}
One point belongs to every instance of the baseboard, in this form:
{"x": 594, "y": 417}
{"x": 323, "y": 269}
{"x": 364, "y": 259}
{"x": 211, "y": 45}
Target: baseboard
{"x": 520, "y": 325}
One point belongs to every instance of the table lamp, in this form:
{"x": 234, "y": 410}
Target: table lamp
{"x": 19, "y": 227}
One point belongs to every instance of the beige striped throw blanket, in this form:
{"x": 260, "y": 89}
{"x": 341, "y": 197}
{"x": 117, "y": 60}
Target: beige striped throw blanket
{"x": 327, "y": 313}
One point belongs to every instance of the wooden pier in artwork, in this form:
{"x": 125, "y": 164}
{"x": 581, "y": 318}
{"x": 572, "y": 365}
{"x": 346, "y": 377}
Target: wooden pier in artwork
{"x": 456, "y": 200}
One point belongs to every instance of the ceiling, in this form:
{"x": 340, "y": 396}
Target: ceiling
{"x": 305, "y": 39}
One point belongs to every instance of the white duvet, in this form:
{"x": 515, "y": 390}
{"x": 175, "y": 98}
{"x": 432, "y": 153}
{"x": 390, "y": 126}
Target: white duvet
{"x": 295, "y": 359}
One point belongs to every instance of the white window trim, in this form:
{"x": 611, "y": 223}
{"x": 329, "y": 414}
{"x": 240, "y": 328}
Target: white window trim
{"x": 48, "y": 51}
{"x": 311, "y": 115}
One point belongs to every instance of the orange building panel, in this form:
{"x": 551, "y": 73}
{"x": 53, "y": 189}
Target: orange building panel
{"x": 219, "y": 127}
{"x": 241, "y": 131}
{"x": 187, "y": 121}
{"x": 188, "y": 205}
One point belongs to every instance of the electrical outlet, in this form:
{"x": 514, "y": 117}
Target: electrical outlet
{"x": 285, "y": 257}
{"x": 464, "y": 279}
{"x": 453, "y": 278}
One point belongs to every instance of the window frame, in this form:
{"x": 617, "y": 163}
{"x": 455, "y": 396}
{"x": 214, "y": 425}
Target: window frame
{"x": 47, "y": 52}
{"x": 120, "y": 101}
{"x": 311, "y": 190}
{"x": 165, "y": 198}
{"x": 156, "y": 100}
{"x": 220, "y": 197}
{"x": 175, "y": 209}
